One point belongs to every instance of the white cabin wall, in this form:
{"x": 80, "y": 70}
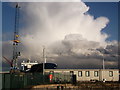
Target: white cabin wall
{"x": 105, "y": 75}
{"x": 102, "y": 74}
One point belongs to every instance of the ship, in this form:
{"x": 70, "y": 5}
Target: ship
{"x": 40, "y": 67}
{"x": 34, "y": 66}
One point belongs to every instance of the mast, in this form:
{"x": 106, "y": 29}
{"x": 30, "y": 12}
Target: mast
{"x": 43, "y": 59}
{"x": 16, "y": 41}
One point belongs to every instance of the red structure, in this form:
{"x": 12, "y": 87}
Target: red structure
{"x": 51, "y": 76}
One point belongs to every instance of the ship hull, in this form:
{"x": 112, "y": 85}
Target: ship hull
{"x": 39, "y": 67}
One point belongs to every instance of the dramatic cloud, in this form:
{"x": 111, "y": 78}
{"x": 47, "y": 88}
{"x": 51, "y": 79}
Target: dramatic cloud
{"x": 69, "y": 33}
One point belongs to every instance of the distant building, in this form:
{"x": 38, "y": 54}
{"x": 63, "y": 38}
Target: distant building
{"x": 89, "y": 74}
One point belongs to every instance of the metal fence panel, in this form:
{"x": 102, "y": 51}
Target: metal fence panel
{"x": 6, "y": 80}
{"x": 21, "y": 80}
{"x": 61, "y": 78}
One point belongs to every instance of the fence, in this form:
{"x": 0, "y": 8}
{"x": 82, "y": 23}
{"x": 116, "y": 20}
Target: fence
{"x": 62, "y": 78}
{"x": 21, "y": 80}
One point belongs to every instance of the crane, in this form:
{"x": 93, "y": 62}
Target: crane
{"x": 16, "y": 40}
{"x": 9, "y": 61}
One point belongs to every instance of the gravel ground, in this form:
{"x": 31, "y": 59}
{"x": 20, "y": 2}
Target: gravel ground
{"x": 79, "y": 86}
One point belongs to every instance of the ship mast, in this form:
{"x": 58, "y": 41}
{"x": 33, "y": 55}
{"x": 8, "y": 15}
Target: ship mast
{"x": 43, "y": 60}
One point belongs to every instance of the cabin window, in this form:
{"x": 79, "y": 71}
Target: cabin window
{"x": 80, "y": 73}
{"x": 110, "y": 73}
{"x": 87, "y": 73}
{"x": 96, "y": 73}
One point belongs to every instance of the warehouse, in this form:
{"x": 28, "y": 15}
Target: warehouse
{"x": 89, "y": 74}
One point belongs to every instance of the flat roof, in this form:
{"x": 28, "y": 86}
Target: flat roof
{"x": 77, "y": 69}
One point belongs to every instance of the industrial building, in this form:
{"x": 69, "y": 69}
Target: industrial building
{"x": 89, "y": 74}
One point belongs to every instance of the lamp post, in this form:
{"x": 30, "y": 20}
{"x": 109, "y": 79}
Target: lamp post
{"x": 103, "y": 65}
{"x": 103, "y": 60}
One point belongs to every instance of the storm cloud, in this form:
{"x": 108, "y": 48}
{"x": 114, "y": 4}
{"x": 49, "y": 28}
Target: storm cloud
{"x": 72, "y": 37}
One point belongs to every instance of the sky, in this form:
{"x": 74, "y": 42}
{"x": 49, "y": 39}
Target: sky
{"x": 108, "y": 9}
{"x": 76, "y": 33}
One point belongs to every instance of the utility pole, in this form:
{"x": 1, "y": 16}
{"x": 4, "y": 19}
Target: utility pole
{"x": 16, "y": 41}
